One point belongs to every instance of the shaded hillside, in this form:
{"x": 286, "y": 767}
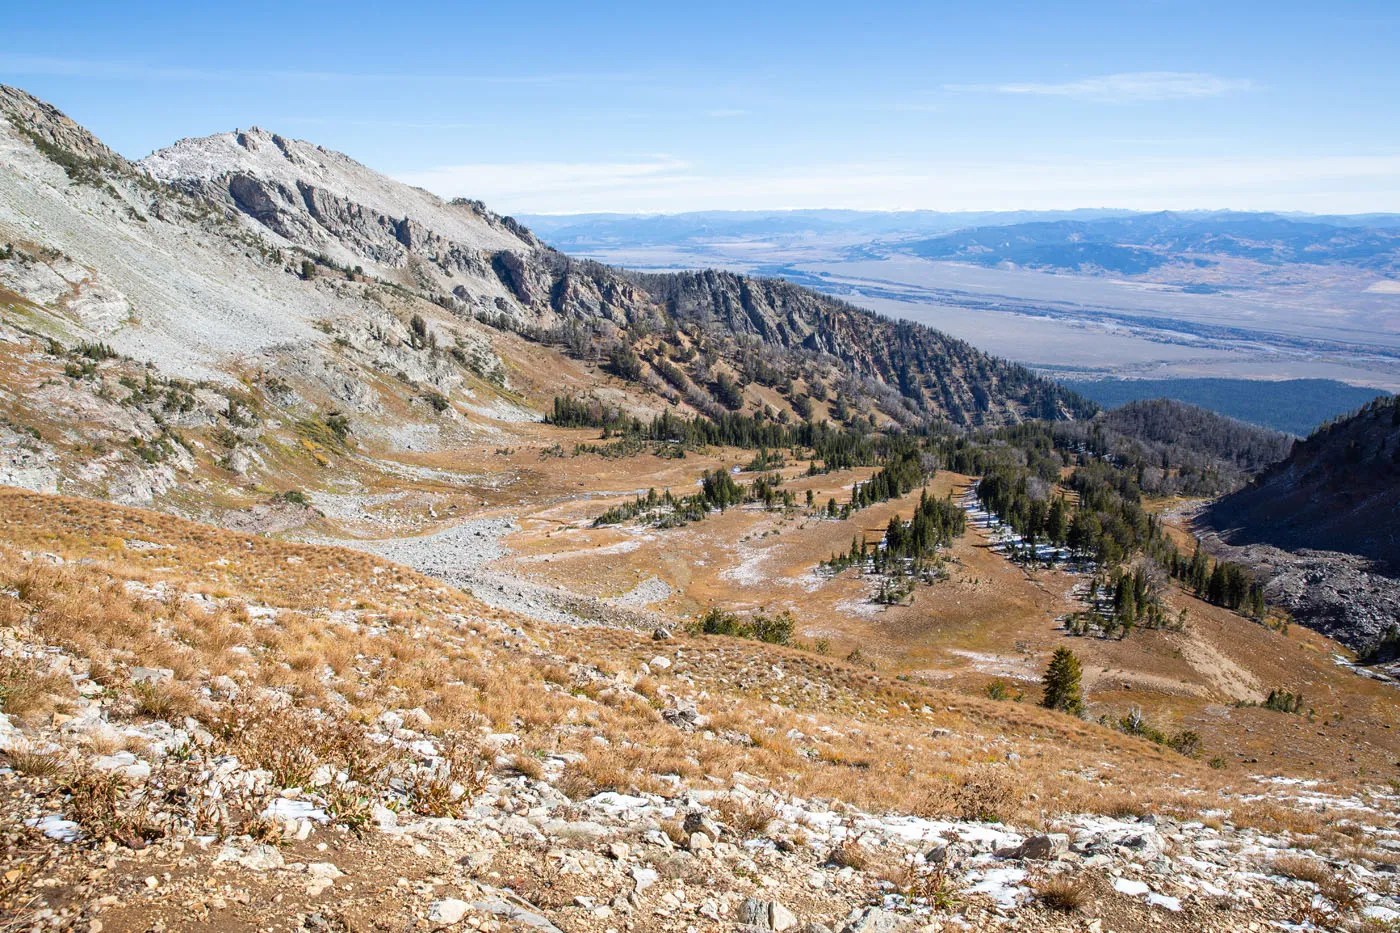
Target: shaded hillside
{"x": 905, "y": 368}
{"x": 1296, "y": 406}
{"x": 1339, "y": 490}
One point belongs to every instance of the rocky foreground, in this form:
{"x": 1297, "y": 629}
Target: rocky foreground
{"x": 132, "y": 804}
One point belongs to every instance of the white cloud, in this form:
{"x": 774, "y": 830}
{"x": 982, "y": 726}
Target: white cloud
{"x": 664, "y": 184}
{"x": 1124, "y": 87}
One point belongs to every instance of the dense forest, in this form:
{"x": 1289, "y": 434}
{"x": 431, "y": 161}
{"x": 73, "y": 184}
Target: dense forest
{"x": 1293, "y": 406}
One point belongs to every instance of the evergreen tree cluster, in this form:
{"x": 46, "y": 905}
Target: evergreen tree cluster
{"x": 1219, "y": 582}
{"x": 718, "y": 492}
{"x": 1110, "y": 526}
{"x": 902, "y": 473}
{"x": 906, "y": 548}
{"x": 776, "y": 629}
{"x": 837, "y": 448}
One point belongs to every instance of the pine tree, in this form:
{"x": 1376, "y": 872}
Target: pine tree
{"x": 1061, "y": 683}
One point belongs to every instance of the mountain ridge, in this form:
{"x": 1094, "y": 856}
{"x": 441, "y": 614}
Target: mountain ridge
{"x": 294, "y": 197}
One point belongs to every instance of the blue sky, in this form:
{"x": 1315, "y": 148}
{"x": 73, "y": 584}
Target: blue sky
{"x": 560, "y": 107}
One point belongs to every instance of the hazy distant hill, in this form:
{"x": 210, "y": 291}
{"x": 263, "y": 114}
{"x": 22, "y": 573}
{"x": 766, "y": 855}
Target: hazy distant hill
{"x": 1136, "y": 244}
{"x": 586, "y": 231}
{"x": 1295, "y": 406}
{"x": 1122, "y": 242}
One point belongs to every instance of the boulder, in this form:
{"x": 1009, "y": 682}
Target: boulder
{"x": 871, "y": 920}
{"x": 447, "y": 911}
{"x": 754, "y": 913}
{"x": 1045, "y": 847}
{"x": 262, "y": 858}
{"x": 780, "y": 918}
{"x": 151, "y": 675}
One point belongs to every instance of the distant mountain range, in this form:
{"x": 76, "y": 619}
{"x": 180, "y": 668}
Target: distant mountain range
{"x": 1140, "y": 243}
{"x": 1120, "y": 242}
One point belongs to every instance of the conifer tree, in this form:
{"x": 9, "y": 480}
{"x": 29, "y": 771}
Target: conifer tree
{"x": 1061, "y": 683}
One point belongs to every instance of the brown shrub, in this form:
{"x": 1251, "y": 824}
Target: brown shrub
{"x": 986, "y": 794}
{"x": 849, "y": 853}
{"x": 1062, "y": 892}
{"x": 746, "y": 817}
{"x": 30, "y": 763}
{"x": 96, "y": 803}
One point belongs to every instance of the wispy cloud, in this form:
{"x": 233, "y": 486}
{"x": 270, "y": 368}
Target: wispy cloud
{"x": 19, "y": 64}
{"x": 1123, "y": 87}
{"x": 666, "y": 184}
{"x": 545, "y": 182}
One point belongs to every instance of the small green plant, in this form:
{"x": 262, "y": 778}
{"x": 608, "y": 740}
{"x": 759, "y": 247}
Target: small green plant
{"x": 999, "y": 690}
{"x": 1284, "y": 701}
{"x": 350, "y": 806}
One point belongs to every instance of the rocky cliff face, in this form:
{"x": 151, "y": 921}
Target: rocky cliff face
{"x": 47, "y": 126}
{"x": 462, "y": 255}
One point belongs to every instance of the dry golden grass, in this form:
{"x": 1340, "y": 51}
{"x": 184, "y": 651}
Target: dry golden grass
{"x": 1302, "y": 868}
{"x": 30, "y": 763}
{"x": 675, "y": 831}
{"x": 986, "y": 793}
{"x": 24, "y": 692}
{"x": 828, "y": 729}
{"x": 1274, "y": 818}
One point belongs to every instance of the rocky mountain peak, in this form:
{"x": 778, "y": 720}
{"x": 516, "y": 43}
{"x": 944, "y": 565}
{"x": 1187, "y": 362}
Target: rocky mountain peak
{"x": 326, "y": 202}
{"x": 46, "y": 125}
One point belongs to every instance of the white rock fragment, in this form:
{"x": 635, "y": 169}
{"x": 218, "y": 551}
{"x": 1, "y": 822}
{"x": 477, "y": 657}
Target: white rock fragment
{"x": 56, "y": 827}
{"x": 447, "y": 911}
